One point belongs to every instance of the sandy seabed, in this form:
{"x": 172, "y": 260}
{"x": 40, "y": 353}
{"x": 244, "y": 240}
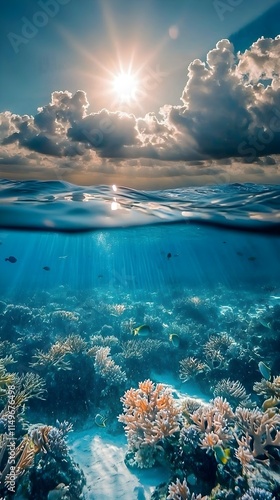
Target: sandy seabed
{"x": 101, "y": 457}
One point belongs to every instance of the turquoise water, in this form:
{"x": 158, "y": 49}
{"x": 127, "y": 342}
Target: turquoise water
{"x": 82, "y": 268}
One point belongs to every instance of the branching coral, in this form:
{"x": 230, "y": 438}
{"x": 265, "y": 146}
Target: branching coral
{"x": 55, "y": 357}
{"x": 60, "y": 316}
{"x": 40, "y": 439}
{"x": 190, "y": 367}
{"x": 27, "y": 386}
{"x": 17, "y": 457}
{"x": 118, "y": 309}
{"x": 263, "y": 428}
{"x": 74, "y": 344}
{"x": 100, "y": 341}
{"x": 49, "y": 439}
{"x": 22, "y": 458}
{"x": 180, "y": 491}
{"x": 189, "y": 405}
{"x": 212, "y": 421}
{"x": 215, "y": 349}
{"x": 150, "y": 415}
{"x": 106, "y": 367}
{"x": 220, "y": 343}
{"x": 257, "y": 494}
{"x": 133, "y": 349}
{"x": 8, "y": 348}
{"x": 269, "y": 389}
{"x": 233, "y": 390}
{"x": 5, "y": 378}
{"x": 244, "y": 453}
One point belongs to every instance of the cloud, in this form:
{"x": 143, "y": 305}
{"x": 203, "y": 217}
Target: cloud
{"x": 107, "y": 132}
{"x": 229, "y": 113}
{"x": 261, "y": 60}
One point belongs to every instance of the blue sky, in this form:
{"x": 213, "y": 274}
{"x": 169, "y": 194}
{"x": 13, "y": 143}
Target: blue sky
{"x": 65, "y": 113}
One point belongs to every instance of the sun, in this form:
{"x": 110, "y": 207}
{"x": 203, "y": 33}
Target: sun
{"x": 125, "y": 86}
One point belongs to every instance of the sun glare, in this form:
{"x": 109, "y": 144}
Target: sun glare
{"x": 125, "y": 86}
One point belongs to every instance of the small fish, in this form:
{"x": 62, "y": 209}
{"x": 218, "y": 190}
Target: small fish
{"x": 222, "y": 456}
{"x": 142, "y": 331}
{"x": 11, "y": 259}
{"x": 63, "y": 256}
{"x": 264, "y": 323}
{"x": 240, "y": 254}
{"x": 265, "y": 370}
{"x": 252, "y": 258}
{"x": 169, "y": 255}
{"x": 46, "y": 268}
{"x": 100, "y": 276}
{"x": 100, "y": 420}
{"x": 174, "y": 339}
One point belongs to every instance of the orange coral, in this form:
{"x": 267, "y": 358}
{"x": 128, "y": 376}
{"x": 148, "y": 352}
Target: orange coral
{"x": 150, "y": 414}
{"x": 213, "y": 422}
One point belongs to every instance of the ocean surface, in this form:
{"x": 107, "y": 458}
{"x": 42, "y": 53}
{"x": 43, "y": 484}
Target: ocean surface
{"x": 105, "y": 287}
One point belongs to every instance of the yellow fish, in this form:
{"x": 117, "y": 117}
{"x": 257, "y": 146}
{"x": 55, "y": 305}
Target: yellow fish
{"x": 174, "y": 339}
{"x": 100, "y": 420}
{"x": 142, "y": 331}
{"x": 222, "y": 456}
{"x": 270, "y": 403}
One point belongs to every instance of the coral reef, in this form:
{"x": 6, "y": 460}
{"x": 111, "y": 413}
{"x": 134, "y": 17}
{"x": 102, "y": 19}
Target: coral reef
{"x": 107, "y": 369}
{"x": 263, "y": 429}
{"x": 180, "y": 491}
{"x": 270, "y": 389}
{"x": 233, "y": 391}
{"x": 257, "y": 494}
{"x": 80, "y": 346}
{"x": 190, "y": 367}
{"x": 150, "y": 416}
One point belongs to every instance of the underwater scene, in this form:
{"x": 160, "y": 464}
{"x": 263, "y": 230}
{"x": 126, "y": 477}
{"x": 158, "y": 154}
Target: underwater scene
{"x": 139, "y": 342}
